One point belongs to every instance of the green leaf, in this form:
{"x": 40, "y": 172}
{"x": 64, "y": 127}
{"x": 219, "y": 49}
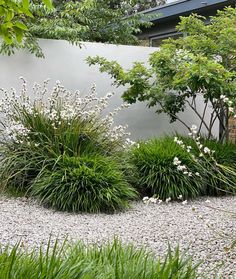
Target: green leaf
{"x": 48, "y": 3}
{"x": 9, "y": 15}
{"x": 21, "y": 26}
{"x": 7, "y": 39}
{"x": 19, "y": 35}
{"x": 26, "y": 12}
{"x": 25, "y": 4}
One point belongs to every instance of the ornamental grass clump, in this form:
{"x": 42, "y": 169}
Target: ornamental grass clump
{"x": 85, "y": 183}
{"x": 109, "y": 261}
{"x": 214, "y": 160}
{"x": 162, "y": 177}
{"x": 39, "y": 132}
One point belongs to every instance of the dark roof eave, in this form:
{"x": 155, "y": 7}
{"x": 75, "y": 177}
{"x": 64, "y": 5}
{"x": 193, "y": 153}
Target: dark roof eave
{"x": 183, "y": 7}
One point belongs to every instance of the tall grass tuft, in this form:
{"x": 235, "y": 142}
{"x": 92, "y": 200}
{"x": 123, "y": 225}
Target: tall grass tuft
{"x": 109, "y": 261}
{"x": 90, "y": 184}
{"x": 218, "y": 171}
{"x": 49, "y": 139}
{"x": 157, "y": 174}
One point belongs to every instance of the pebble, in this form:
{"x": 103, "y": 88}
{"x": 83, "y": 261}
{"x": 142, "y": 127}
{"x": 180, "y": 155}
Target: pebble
{"x": 152, "y": 225}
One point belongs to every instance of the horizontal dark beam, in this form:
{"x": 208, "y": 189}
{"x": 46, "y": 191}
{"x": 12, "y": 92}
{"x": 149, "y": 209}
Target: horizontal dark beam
{"x": 184, "y": 6}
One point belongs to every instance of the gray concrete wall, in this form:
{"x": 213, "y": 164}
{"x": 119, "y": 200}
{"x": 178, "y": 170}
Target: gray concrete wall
{"x": 66, "y": 63}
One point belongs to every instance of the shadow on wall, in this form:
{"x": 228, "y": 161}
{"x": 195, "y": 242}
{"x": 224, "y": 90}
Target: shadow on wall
{"x": 66, "y": 63}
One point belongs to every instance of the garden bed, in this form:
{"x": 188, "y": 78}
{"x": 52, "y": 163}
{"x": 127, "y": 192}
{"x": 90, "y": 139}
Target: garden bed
{"x": 150, "y": 225}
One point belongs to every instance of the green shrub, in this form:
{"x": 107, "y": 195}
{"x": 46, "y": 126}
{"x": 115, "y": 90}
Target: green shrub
{"x": 216, "y": 179}
{"x": 156, "y": 173}
{"x": 20, "y": 165}
{"x": 84, "y": 184}
{"x": 110, "y": 261}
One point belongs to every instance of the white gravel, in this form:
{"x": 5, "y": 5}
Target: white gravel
{"x": 207, "y": 228}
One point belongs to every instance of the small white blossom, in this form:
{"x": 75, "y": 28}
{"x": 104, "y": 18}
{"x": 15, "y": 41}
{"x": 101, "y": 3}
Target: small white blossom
{"x": 179, "y": 142}
{"x": 184, "y": 202}
{"x": 176, "y": 161}
{"x": 206, "y": 150}
{"x": 193, "y": 129}
{"x": 168, "y": 199}
{"x": 153, "y": 200}
{"x": 181, "y": 168}
{"x": 222, "y": 97}
{"x": 72, "y": 105}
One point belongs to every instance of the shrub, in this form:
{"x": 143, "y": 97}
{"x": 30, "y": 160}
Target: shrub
{"x": 216, "y": 178}
{"x": 157, "y": 174}
{"x": 84, "y": 184}
{"x": 110, "y": 261}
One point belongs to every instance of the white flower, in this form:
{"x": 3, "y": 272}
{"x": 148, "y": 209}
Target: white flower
{"x": 197, "y": 174}
{"x": 153, "y": 200}
{"x": 184, "y": 202}
{"x": 190, "y": 174}
{"x": 181, "y": 168}
{"x": 176, "y": 161}
{"x": 168, "y": 199}
{"x": 226, "y": 100}
{"x": 189, "y": 148}
{"x": 159, "y": 201}
{"x": 193, "y": 129}
{"x": 222, "y": 97}
{"x": 145, "y": 198}
{"x": 175, "y": 139}
{"x": 180, "y": 197}
{"x": 206, "y": 150}
{"x": 179, "y": 142}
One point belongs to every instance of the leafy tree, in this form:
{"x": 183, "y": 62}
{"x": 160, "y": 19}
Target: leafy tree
{"x": 14, "y": 30}
{"x": 201, "y": 64}
{"x": 138, "y": 5}
{"x": 75, "y": 21}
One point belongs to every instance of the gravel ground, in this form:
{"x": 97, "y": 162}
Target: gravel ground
{"x": 198, "y": 225}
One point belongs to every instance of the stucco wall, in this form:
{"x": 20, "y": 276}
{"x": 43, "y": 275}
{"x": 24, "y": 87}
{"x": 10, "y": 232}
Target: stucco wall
{"x": 66, "y": 63}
